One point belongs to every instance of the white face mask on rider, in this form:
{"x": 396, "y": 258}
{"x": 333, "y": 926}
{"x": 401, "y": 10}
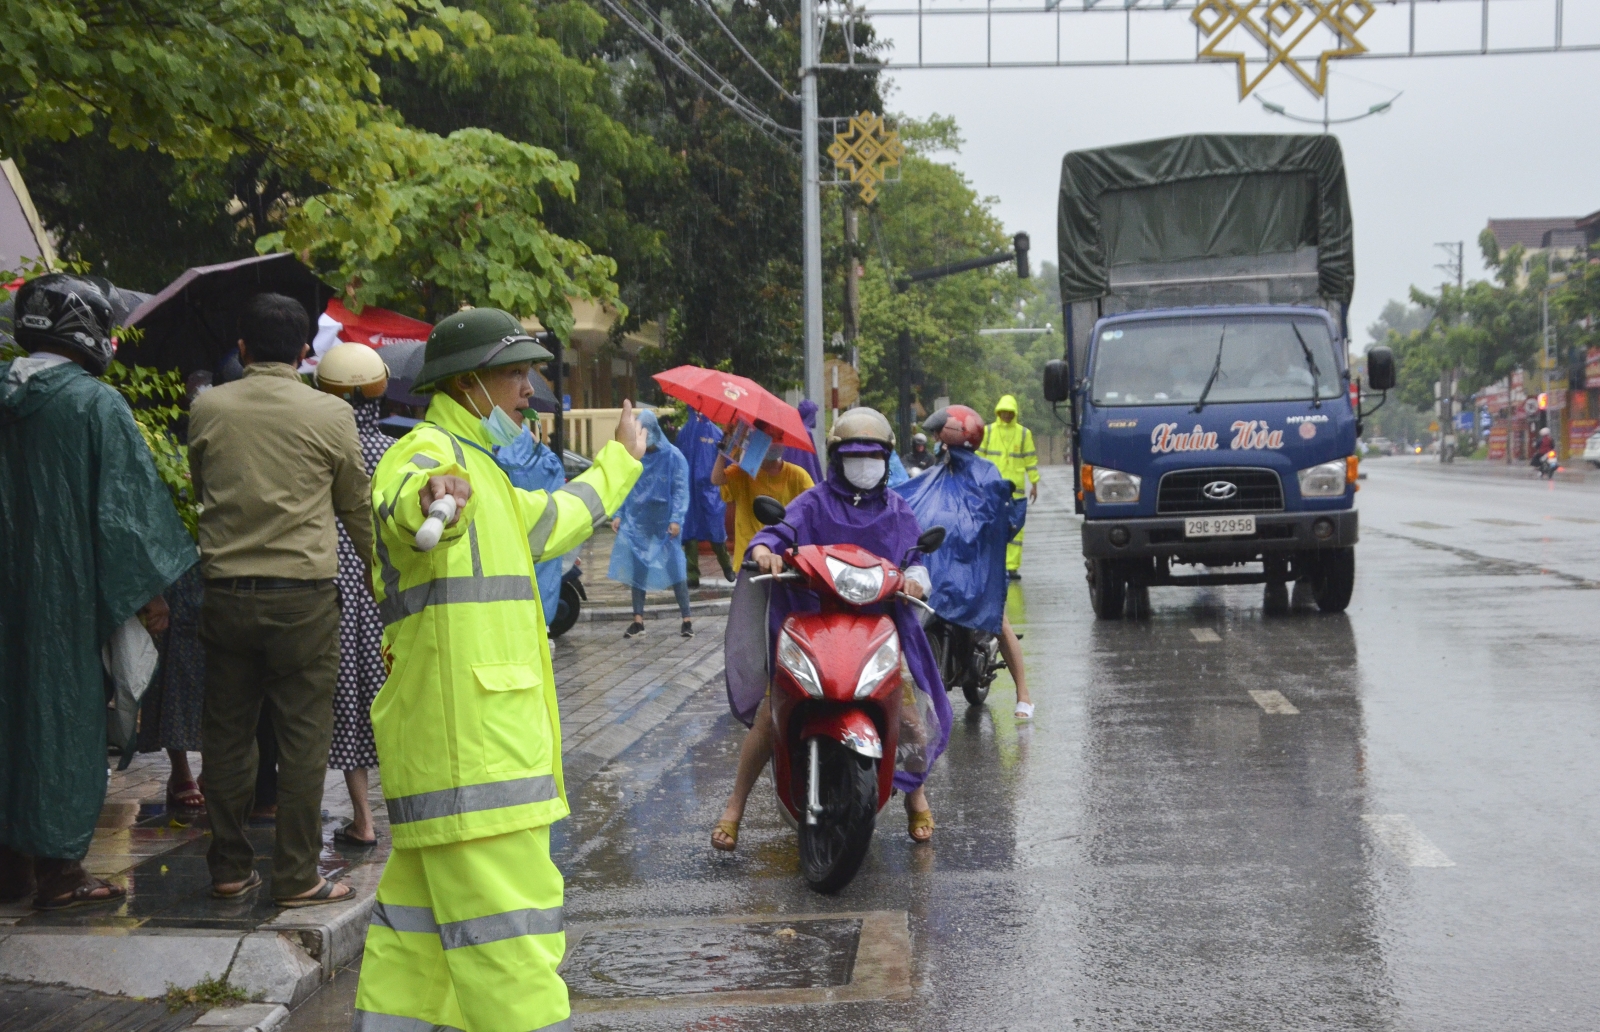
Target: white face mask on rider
{"x": 864, "y": 472}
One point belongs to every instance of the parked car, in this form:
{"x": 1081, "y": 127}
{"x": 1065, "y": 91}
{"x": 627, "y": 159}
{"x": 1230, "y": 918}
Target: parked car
{"x": 1591, "y": 450}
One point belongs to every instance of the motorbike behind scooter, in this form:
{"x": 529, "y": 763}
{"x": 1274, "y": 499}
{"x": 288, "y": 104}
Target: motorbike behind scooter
{"x": 1549, "y": 465}
{"x": 573, "y": 596}
{"x": 969, "y": 658}
{"x": 836, "y": 698}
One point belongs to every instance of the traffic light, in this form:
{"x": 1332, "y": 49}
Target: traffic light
{"x": 1544, "y": 401}
{"x": 1021, "y": 242}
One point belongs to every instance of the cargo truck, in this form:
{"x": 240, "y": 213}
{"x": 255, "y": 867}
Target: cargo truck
{"x": 1205, "y": 285}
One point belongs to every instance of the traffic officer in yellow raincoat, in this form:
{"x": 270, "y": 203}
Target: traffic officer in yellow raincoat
{"x": 1009, "y": 445}
{"x": 467, "y": 929}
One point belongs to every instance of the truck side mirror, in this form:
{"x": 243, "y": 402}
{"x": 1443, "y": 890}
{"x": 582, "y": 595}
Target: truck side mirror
{"x": 1057, "y": 381}
{"x": 1380, "y": 369}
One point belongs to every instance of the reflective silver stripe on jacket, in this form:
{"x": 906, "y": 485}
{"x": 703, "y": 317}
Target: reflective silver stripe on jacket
{"x": 539, "y": 536}
{"x": 422, "y": 461}
{"x": 443, "y": 591}
{"x": 398, "y": 918}
{"x": 451, "y": 802}
{"x": 590, "y": 497}
{"x": 372, "y": 1021}
{"x": 479, "y": 931}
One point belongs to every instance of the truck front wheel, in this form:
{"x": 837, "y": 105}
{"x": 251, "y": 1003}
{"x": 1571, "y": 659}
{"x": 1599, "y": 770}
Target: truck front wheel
{"x": 1108, "y": 589}
{"x": 1334, "y": 580}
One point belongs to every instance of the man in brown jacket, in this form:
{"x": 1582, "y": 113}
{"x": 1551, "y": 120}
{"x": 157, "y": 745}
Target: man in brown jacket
{"x": 274, "y": 463}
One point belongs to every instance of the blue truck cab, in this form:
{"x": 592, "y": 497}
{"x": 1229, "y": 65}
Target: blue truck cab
{"x": 1214, "y": 417}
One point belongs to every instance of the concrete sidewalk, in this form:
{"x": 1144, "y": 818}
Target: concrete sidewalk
{"x": 170, "y": 932}
{"x": 1573, "y": 471}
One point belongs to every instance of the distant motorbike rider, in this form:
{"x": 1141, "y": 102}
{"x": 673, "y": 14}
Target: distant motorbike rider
{"x": 851, "y": 506}
{"x": 920, "y": 458}
{"x": 956, "y": 597}
{"x": 1543, "y": 445}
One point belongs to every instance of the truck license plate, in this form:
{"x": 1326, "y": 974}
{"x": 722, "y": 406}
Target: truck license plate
{"x": 1218, "y": 526}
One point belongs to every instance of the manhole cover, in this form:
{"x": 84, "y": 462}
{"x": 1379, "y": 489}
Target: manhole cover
{"x": 675, "y": 961}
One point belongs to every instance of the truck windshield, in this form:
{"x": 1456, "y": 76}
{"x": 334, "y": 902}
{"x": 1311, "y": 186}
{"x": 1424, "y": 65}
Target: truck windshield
{"x": 1169, "y": 361}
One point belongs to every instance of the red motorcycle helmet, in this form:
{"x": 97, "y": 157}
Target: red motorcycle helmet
{"x": 956, "y": 427}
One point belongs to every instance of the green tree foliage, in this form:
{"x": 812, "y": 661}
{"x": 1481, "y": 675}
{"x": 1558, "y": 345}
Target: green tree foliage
{"x": 933, "y": 216}
{"x": 277, "y": 103}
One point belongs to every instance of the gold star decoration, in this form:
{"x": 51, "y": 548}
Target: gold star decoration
{"x": 1280, "y": 27}
{"x": 866, "y": 150}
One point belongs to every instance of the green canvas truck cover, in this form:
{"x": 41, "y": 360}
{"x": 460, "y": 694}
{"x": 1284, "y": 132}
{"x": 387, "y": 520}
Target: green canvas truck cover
{"x": 1206, "y": 208}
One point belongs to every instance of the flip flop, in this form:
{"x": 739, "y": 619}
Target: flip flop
{"x": 731, "y": 830}
{"x": 321, "y": 896}
{"x": 252, "y": 882}
{"x": 916, "y": 820}
{"x": 343, "y": 837}
{"x": 82, "y": 896}
{"x": 1024, "y": 711}
{"x": 186, "y": 798}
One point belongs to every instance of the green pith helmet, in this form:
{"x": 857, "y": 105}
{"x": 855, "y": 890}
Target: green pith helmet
{"x": 472, "y": 339}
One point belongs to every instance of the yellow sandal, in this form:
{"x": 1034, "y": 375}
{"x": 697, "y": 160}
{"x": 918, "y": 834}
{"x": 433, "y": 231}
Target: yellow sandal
{"x": 916, "y": 820}
{"x": 729, "y": 829}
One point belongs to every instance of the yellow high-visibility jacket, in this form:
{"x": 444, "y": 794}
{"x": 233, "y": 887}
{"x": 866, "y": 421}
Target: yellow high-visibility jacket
{"x": 468, "y": 734}
{"x": 1010, "y": 446}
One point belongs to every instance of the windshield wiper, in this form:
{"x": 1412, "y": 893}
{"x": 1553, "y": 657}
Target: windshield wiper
{"x": 1216, "y": 367}
{"x": 1311, "y": 364}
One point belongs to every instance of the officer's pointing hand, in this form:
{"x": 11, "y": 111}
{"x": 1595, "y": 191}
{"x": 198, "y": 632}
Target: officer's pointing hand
{"x": 629, "y": 433}
{"x": 437, "y": 487}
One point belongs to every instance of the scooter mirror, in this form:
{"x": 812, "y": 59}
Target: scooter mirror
{"x": 769, "y": 511}
{"x": 930, "y": 540}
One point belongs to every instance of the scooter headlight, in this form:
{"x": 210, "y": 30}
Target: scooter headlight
{"x": 1323, "y": 481}
{"x": 855, "y": 584}
{"x": 884, "y": 661}
{"x": 795, "y": 660}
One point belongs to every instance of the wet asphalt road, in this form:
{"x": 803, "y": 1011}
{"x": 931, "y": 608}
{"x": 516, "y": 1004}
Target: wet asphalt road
{"x": 1406, "y": 839}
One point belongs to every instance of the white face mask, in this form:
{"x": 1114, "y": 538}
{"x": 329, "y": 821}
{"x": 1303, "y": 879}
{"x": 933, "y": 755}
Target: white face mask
{"x": 864, "y": 471}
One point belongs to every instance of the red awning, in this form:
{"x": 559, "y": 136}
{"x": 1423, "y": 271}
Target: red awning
{"x": 376, "y": 327}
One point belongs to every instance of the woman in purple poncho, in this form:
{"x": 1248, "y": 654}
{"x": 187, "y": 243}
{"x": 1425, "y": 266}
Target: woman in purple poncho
{"x": 852, "y": 505}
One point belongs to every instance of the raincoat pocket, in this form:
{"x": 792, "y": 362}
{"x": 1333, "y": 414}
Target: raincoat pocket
{"x": 511, "y": 708}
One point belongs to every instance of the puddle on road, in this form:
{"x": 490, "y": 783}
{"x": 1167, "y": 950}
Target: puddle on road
{"x": 674, "y": 961}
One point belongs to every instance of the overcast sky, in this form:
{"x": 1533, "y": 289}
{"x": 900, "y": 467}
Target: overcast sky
{"x": 1471, "y": 138}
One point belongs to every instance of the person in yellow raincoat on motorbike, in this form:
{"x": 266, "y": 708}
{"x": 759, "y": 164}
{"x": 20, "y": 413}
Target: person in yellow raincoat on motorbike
{"x": 1009, "y": 445}
{"x": 466, "y": 932}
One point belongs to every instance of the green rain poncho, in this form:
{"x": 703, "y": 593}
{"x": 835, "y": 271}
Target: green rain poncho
{"x": 88, "y": 535}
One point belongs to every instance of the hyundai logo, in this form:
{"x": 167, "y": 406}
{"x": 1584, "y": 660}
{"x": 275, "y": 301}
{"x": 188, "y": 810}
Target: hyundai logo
{"x": 1220, "y": 490}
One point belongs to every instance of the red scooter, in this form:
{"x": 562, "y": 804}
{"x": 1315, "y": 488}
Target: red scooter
{"x": 836, "y": 700}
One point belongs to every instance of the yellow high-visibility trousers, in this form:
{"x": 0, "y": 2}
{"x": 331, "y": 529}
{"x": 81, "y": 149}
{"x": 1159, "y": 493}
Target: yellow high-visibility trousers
{"x": 466, "y": 936}
{"x": 1014, "y": 551}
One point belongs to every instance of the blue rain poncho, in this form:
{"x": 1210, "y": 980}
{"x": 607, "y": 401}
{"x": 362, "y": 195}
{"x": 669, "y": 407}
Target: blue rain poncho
{"x": 534, "y": 467}
{"x": 698, "y": 441}
{"x": 968, "y": 498}
{"x": 645, "y": 555}
{"x": 897, "y": 471}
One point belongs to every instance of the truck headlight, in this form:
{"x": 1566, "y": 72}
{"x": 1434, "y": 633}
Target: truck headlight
{"x": 1114, "y": 487}
{"x": 1326, "y": 480}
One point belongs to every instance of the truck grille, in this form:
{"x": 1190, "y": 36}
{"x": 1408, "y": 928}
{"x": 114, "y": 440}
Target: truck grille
{"x": 1256, "y": 490}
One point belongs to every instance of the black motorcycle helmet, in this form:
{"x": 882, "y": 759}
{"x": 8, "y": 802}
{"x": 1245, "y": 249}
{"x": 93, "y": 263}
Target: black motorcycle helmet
{"x": 64, "y": 312}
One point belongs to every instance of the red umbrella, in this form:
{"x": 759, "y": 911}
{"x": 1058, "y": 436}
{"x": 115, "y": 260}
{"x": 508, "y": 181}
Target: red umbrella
{"x": 724, "y": 398}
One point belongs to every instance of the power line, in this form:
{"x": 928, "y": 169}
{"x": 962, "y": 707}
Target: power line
{"x": 792, "y": 98}
{"x": 723, "y": 90}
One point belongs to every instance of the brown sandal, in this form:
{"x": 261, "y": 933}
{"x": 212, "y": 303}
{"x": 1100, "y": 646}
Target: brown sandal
{"x": 729, "y": 829}
{"x": 83, "y": 895}
{"x": 324, "y": 894}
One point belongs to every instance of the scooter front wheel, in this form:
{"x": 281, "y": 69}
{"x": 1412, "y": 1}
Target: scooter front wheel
{"x": 832, "y": 848}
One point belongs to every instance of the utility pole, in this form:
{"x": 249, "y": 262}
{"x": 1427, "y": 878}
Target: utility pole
{"x": 852, "y": 279}
{"x": 812, "y": 210}
{"x": 1455, "y": 265}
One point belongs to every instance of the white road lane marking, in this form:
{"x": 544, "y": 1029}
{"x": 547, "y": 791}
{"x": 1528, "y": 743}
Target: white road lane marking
{"x": 1396, "y": 831}
{"x": 1272, "y": 700}
{"x": 1205, "y": 634}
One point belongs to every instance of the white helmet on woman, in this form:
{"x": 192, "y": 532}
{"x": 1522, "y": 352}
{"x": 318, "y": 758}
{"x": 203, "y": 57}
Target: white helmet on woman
{"x": 349, "y": 369}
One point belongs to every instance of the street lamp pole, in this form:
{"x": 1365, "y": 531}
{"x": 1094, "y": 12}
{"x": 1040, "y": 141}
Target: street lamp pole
{"x": 812, "y": 209}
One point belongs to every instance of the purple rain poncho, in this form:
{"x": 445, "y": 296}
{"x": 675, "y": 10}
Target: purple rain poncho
{"x": 834, "y": 512}
{"x": 806, "y": 460}
{"x": 698, "y": 441}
